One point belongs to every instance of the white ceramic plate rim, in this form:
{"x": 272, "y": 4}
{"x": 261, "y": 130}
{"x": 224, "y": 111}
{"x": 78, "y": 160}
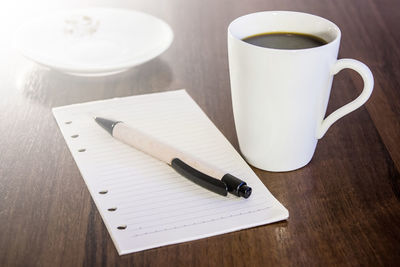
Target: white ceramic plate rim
{"x": 70, "y": 68}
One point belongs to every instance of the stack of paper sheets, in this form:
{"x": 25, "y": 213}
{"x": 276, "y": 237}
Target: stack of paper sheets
{"x": 144, "y": 202}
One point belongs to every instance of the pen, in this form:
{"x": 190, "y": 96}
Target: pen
{"x": 187, "y": 165}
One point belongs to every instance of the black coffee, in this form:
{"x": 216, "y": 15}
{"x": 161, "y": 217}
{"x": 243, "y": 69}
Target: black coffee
{"x": 285, "y": 40}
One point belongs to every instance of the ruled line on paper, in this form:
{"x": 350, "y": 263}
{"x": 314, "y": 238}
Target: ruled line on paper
{"x": 162, "y": 201}
{"x": 186, "y": 211}
{"x": 202, "y": 221}
{"x": 190, "y": 215}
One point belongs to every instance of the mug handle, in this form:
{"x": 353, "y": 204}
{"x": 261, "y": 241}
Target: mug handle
{"x": 368, "y": 79}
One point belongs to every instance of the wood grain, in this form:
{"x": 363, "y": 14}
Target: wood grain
{"x": 344, "y": 206}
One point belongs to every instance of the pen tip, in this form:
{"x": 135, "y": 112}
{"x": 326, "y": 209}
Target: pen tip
{"x": 107, "y": 124}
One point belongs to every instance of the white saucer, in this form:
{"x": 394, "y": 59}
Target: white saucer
{"x": 94, "y": 41}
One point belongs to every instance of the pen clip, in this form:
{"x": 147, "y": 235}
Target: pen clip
{"x": 208, "y": 182}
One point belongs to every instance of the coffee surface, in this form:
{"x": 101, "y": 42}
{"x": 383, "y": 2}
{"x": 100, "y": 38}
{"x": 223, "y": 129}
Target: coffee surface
{"x": 285, "y": 40}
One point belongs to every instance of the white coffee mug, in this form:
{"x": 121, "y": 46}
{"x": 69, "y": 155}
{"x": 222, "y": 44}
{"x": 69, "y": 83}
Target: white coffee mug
{"x": 280, "y": 96}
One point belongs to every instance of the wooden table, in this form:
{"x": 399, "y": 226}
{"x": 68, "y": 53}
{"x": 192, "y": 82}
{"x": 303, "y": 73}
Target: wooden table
{"x": 344, "y": 206}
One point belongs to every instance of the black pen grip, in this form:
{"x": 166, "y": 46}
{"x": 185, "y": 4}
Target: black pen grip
{"x": 208, "y": 182}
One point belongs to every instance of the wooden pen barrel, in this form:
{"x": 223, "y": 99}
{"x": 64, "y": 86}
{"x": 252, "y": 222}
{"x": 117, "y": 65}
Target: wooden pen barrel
{"x": 161, "y": 151}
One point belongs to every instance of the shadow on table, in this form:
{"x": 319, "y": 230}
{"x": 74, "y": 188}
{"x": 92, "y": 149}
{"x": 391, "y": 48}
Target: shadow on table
{"x": 53, "y": 88}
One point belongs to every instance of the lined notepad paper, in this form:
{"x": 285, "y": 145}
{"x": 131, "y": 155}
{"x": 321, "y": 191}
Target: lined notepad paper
{"x": 144, "y": 203}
